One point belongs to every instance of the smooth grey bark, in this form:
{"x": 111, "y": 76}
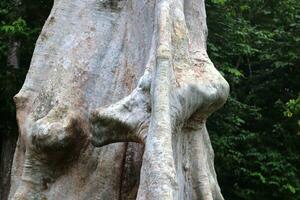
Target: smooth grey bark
{"x": 111, "y": 71}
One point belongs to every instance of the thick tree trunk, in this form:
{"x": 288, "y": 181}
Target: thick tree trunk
{"x": 113, "y": 71}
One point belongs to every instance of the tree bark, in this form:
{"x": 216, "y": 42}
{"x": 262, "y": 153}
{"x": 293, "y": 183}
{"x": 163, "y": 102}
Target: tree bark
{"x": 129, "y": 76}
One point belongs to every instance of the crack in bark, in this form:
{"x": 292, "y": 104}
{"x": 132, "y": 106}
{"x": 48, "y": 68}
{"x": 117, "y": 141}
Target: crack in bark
{"x": 122, "y": 174}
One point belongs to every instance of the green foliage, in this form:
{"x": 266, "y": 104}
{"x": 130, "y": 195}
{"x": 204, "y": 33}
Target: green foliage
{"x": 256, "y": 46}
{"x": 292, "y": 107}
{"x": 18, "y": 27}
{"x": 221, "y": 2}
{"x": 17, "y": 24}
{"x": 292, "y": 111}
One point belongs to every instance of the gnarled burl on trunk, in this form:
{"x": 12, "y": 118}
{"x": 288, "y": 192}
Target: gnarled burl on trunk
{"x": 132, "y": 77}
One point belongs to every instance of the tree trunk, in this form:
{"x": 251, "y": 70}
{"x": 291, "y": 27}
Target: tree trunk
{"x": 129, "y": 76}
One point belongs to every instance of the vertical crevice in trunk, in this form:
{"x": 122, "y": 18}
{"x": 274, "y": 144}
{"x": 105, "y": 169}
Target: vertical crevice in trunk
{"x": 131, "y": 171}
{"x": 122, "y": 182}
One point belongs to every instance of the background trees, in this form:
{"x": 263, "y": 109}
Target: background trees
{"x": 256, "y": 45}
{"x": 256, "y": 136}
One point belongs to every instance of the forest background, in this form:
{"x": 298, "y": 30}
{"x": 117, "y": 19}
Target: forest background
{"x": 256, "y": 46}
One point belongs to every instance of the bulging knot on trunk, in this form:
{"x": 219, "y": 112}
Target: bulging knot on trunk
{"x": 56, "y": 134}
{"x": 124, "y": 121}
{"x": 61, "y": 131}
{"x": 50, "y": 143}
{"x": 200, "y": 101}
{"x": 21, "y": 99}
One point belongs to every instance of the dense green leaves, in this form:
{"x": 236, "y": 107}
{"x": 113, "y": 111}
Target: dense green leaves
{"x": 256, "y": 135}
{"x": 292, "y": 107}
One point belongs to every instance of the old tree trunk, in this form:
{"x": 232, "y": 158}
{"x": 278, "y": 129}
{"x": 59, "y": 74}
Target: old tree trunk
{"x": 129, "y": 76}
